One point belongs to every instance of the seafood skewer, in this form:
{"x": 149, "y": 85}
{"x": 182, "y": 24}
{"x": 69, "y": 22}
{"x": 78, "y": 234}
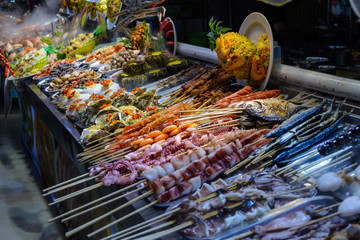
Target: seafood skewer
{"x": 342, "y": 160}
{"x": 295, "y": 120}
{"x": 344, "y": 208}
{"x": 247, "y": 200}
{"x": 288, "y": 149}
{"x": 155, "y": 189}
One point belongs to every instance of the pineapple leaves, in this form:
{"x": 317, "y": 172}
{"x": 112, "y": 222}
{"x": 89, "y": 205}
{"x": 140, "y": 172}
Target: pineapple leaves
{"x": 215, "y": 31}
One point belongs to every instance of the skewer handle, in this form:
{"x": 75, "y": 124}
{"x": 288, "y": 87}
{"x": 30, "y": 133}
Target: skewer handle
{"x": 78, "y": 229}
{"x": 66, "y": 182}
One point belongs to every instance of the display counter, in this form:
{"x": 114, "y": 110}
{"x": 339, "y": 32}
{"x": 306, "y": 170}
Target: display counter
{"x": 53, "y": 143}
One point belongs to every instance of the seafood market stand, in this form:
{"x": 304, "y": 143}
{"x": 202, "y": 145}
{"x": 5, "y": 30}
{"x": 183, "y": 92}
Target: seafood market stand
{"x": 54, "y": 150}
{"x": 138, "y": 135}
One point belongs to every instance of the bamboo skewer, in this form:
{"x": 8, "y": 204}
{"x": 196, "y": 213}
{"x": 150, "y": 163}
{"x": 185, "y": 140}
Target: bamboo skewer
{"x": 170, "y": 98}
{"x": 317, "y": 220}
{"x": 206, "y": 216}
{"x": 249, "y": 233}
{"x": 287, "y": 167}
{"x": 320, "y": 170}
{"x": 102, "y": 138}
{"x": 315, "y": 163}
{"x": 99, "y": 149}
{"x": 115, "y": 155}
{"x": 76, "y": 230}
{"x": 166, "y": 224}
{"x": 217, "y": 124}
{"x": 214, "y": 128}
{"x": 103, "y": 204}
{"x": 94, "y": 148}
{"x": 291, "y": 191}
{"x": 122, "y": 218}
{"x": 206, "y": 102}
{"x": 65, "y": 182}
{"x": 264, "y": 165}
{"x": 242, "y": 235}
{"x": 327, "y": 207}
{"x": 202, "y": 110}
{"x": 69, "y": 185}
{"x": 259, "y": 158}
{"x": 206, "y": 115}
{"x": 111, "y": 158}
{"x": 142, "y": 225}
{"x": 175, "y": 100}
{"x": 237, "y": 166}
{"x": 189, "y": 223}
{"x": 103, "y": 155}
{"x": 95, "y": 201}
{"x": 95, "y": 155}
{"x": 74, "y": 194}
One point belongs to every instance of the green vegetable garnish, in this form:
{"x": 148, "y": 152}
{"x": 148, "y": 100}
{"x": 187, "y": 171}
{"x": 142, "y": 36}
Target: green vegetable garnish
{"x": 50, "y": 49}
{"x": 216, "y": 31}
{"x": 125, "y": 42}
{"x": 99, "y": 30}
{"x": 46, "y": 40}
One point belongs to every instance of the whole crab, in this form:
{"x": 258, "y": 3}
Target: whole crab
{"x": 138, "y": 9}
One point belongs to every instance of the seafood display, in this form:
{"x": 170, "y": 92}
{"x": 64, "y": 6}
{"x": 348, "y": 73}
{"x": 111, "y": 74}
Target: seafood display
{"x": 31, "y": 63}
{"x": 138, "y": 35}
{"x": 217, "y": 157}
{"x": 273, "y": 109}
{"x": 244, "y": 95}
{"x": 105, "y": 54}
{"x": 78, "y": 79}
{"x": 207, "y": 87}
{"x": 16, "y": 49}
{"x": 57, "y": 69}
{"x": 80, "y": 46}
{"x": 114, "y": 113}
{"x": 250, "y": 192}
{"x": 239, "y": 55}
{"x": 74, "y": 5}
{"x": 113, "y": 6}
{"x": 96, "y": 6}
{"x": 119, "y": 59}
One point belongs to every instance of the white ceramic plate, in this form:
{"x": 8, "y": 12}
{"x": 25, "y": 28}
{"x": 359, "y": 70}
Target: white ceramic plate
{"x": 255, "y": 25}
{"x": 116, "y": 75}
{"x": 51, "y": 92}
{"x": 44, "y": 82}
{"x": 101, "y": 70}
{"x": 96, "y": 65}
{"x": 355, "y": 4}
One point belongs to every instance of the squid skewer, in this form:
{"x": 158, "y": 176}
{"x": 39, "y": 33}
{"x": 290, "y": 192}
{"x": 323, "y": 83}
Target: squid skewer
{"x": 251, "y": 136}
{"x": 207, "y": 216}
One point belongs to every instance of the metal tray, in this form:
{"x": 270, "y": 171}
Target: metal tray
{"x": 291, "y": 207}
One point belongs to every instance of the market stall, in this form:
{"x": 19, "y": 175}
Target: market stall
{"x": 145, "y": 137}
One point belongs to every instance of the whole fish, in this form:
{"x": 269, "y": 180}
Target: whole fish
{"x": 295, "y": 120}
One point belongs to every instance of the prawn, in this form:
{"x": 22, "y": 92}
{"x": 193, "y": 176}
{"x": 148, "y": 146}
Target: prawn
{"x": 257, "y": 75}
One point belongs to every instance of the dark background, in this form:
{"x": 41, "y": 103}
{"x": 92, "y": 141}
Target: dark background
{"x": 302, "y": 27}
